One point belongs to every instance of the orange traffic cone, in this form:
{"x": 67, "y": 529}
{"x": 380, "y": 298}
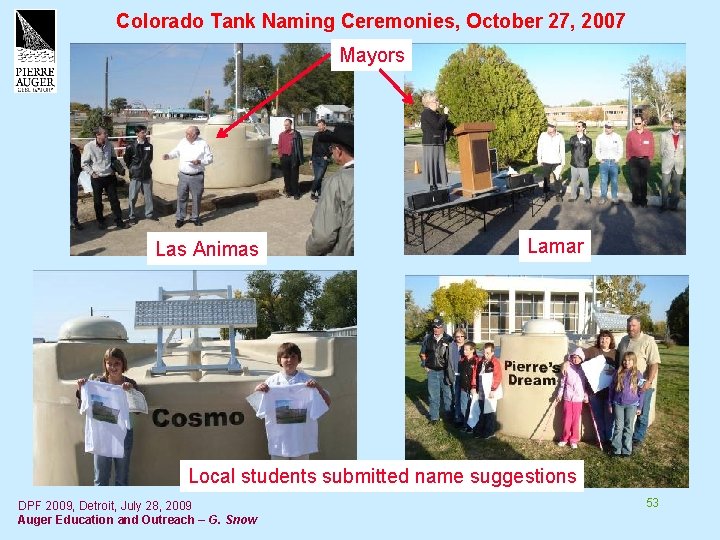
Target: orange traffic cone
{"x": 416, "y": 170}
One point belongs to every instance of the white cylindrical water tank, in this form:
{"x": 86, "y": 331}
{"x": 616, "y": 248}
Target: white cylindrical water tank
{"x": 241, "y": 159}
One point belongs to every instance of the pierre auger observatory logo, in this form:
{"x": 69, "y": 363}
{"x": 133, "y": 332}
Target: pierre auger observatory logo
{"x": 35, "y": 62}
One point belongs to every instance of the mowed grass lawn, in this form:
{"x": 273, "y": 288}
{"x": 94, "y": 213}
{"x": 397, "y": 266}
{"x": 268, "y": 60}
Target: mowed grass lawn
{"x": 414, "y": 136}
{"x": 663, "y": 461}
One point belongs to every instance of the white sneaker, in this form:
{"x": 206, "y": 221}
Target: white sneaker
{"x": 573, "y": 446}
{"x": 562, "y": 443}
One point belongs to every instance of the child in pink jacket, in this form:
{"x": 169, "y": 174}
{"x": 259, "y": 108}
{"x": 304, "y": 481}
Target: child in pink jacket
{"x": 572, "y": 393}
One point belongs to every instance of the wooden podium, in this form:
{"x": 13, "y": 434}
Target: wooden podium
{"x": 475, "y": 168}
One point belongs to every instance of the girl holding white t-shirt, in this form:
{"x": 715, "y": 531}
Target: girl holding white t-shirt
{"x": 114, "y": 365}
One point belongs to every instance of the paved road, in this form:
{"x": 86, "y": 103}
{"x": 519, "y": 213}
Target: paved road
{"x": 286, "y": 221}
{"x": 616, "y": 229}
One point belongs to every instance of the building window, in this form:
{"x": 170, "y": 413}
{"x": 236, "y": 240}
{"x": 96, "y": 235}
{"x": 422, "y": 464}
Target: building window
{"x": 494, "y": 318}
{"x": 528, "y": 306}
{"x": 565, "y": 308}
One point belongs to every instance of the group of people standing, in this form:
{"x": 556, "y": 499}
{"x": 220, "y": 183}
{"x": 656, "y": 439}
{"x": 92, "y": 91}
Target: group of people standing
{"x": 333, "y": 219}
{"x": 639, "y": 152}
{"x": 620, "y": 411}
{"x": 461, "y": 382}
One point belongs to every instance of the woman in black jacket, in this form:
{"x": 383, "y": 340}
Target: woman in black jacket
{"x": 434, "y": 129}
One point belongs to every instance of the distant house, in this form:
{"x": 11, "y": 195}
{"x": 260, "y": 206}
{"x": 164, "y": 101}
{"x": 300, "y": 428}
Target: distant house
{"x": 616, "y": 115}
{"x": 178, "y": 113}
{"x": 333, "y": 114}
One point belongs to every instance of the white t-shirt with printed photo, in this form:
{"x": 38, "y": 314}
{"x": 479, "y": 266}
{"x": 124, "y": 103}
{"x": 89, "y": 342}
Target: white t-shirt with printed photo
{"x": 107, "y": 418}
{"x": 290, "y": 412}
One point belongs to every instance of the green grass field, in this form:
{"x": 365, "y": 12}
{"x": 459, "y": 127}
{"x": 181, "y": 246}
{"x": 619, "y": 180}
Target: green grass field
{"x": 663, "y": 461}
{"x": 414, "y": 136}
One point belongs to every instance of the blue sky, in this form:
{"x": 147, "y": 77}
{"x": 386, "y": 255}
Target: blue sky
{"x": 59, "y": 296}
{"x": 659, "y": 291}
{"x": 562, "y": 73}
{"x": 163, "y": 74}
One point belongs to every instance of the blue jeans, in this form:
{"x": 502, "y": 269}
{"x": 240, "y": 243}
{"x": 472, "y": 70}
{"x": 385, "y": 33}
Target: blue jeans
{"x": 103, "y": 465}
{"x": 608, "y": 167}
{"x": 459, "y": 409}
{"x": 644, "y": 419}
{"x": 319, "y": 166}
{"x": 598, "y": 405}
{"x": 622, "y": 438}
{"x": 437, "y": 389}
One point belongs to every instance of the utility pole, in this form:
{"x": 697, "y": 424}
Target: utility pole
{"x": 107, "y": 63}
{"x": 238, "y": 75}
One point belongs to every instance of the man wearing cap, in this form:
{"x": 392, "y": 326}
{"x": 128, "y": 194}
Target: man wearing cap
{"x": 672, "y": 153}
{"x": 138, "y": 156}
{"x": 648, "y": 363}
{"x": 608, "y": 151}
{"x": 194, "y": 154}
{"x": 580, "y": 152}
{"x": 640, "y": 150}
{"x": 333, "y": 225}
{"x": 551, "y": 157}
{"x": 435, "y": 358}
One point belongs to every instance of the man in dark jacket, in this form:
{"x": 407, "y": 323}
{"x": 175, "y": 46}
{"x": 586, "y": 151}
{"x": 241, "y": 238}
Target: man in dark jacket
{"x": 290, "y": 152}
{"x": 320, "y": 157}
{"x": 435, "y": 358}
{"x": 580, "y": 152}
{"x": 138, "y": 157}
{"x": 75, "y": 169}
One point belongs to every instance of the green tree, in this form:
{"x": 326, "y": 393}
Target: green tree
{"x": 118, "y": 104}
{"x": 96, "y": 119}
{"x": 581, "y": 103}
{"x": 652, "y": 84}
{"x": 296, "y": 291}
{"x": 677, "y": 93}
{"x": 678, "y": 318}
{"x": 413, "y": 111}
{"x": 258, "y": 81}
{"x": 416, "y": 319}
{"x": 623, "y": 293}
{"x": 313, "y": 89}
{"x": 458, "y": 302}
{"x": 79, "y": 107}
{"x": 336, "y": 307}
{"x": 199, "y": 103}
{"x": 480, "y": 84}
{"x": 262, "y": 286}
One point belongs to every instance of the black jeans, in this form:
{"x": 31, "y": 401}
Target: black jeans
{"x": 291, "y": 175}
{"x": 109, "y": 184}
{"x": 548, "y": 169}
{"x": 639, "y": 170}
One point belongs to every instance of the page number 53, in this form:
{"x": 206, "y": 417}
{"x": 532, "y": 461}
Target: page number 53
{"x": 652, "y": 502}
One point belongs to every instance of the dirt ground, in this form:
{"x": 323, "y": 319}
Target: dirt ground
{"x": 248, "y": 209}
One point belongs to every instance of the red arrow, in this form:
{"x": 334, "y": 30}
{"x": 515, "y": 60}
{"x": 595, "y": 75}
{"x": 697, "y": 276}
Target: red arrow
{"x": 407, "y": 98}
{"x": 223, "y": 132}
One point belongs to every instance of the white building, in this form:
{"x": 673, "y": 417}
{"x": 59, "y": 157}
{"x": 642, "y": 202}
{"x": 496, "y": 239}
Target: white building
{"x": 514, "y": 300}
{"x": 333, "y": 114}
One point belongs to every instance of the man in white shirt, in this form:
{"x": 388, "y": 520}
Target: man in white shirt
{"x": 194, "y": 154}
{"x": 551, "y": 157}
{"x": 608, "y": 151}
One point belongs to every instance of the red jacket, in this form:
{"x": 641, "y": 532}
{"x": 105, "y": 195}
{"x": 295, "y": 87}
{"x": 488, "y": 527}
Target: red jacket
{"x": 492, "y": 366}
